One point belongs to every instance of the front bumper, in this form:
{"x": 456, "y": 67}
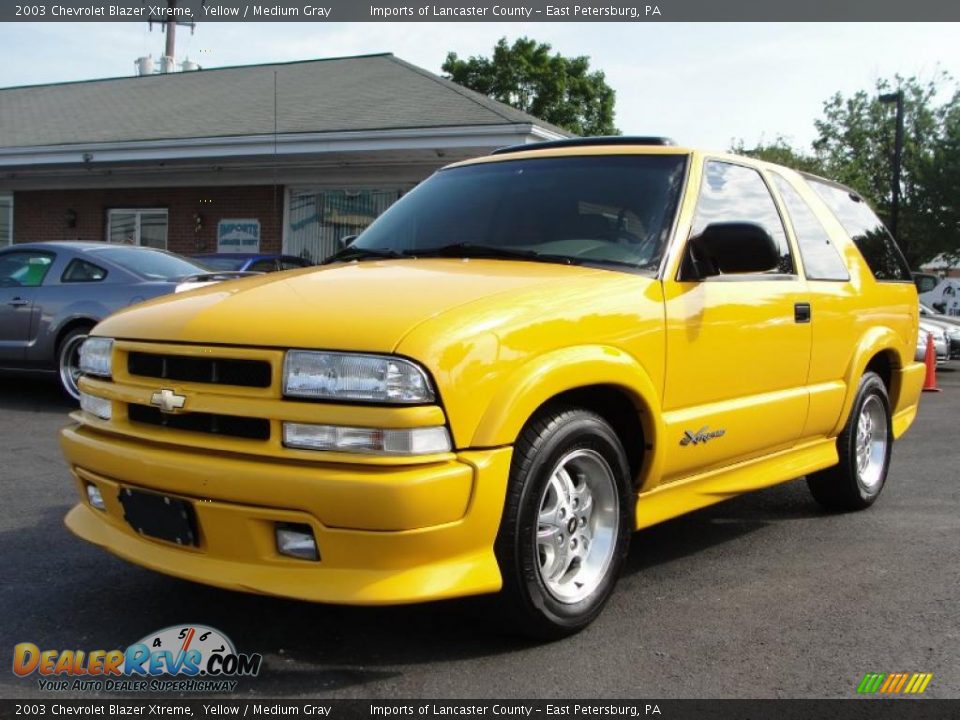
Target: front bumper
{"x": 386, "y": 534}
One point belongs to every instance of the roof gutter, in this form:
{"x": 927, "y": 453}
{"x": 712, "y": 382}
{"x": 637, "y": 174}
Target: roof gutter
{"x": 289, "y": 144}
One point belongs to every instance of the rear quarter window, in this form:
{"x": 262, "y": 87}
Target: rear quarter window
{"x": 872, "y": 239}
{"x": 821, "y": 260}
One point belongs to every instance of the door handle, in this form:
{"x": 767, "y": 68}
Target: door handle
{"x": 18, "y": 302}
{"x": 801, "y": 312}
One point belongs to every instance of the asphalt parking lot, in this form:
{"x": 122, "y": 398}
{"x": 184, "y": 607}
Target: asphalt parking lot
{"x": 761, "y": 596}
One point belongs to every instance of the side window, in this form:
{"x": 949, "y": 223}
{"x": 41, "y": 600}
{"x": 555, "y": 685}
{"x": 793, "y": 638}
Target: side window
{"x": 925, "y": 283}
{"x": 734, "y": 193}
{"x": 263, "y": 266}
{"x": 877, "y": 246}
{"x": 821, "y": 260}
{"x": 24, "y": 269}
{"x": 82, "y": 271}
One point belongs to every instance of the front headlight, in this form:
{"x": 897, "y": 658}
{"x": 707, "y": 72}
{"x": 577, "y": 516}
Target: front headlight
{"x": 96, "y": 356}
{"x": 354, "y": 376}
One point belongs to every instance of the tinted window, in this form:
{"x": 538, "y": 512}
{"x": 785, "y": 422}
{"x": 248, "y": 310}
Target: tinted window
{"x": 733, "y": 193}
{"x": 83, "y": 271}
{"x": 877, "y": 246}
{"x": 290, "y": 264}
{"x": 925, "y": 283}
{"x": 150, "y": 264}
{"x": 24, "y": 269}
{"x": 821, "y": 261}
{"x": 595, "y": 209}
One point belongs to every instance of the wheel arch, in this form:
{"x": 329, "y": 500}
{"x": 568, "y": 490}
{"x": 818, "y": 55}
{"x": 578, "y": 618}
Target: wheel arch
{"x": 602, "y": 379}
{"x": 879, "y": 351}
{"x": 66, "y": 327}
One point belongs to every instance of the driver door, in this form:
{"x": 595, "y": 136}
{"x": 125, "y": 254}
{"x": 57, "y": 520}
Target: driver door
{"x": 21, "y": 274}
{"x": 738, "y": 345}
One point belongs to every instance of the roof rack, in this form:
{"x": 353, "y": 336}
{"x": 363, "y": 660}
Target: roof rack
{"x": 586, "y": 142}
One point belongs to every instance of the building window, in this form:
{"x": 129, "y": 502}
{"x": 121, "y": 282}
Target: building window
{"x": 6, "y": 219}
{"x": 146, "y": 227}
{"x": 319, "y": 219}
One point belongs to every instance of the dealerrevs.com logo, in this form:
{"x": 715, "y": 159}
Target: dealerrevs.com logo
{"x": 180, "y": 658}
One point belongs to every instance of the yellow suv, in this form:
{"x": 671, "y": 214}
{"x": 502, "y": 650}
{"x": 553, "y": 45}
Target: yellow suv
{"x": 526, "y": 358}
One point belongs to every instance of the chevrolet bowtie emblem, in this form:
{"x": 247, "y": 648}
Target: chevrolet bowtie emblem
{"x": 167, "y": 400}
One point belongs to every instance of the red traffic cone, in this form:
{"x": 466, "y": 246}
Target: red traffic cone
{"x": 930, "y": 360}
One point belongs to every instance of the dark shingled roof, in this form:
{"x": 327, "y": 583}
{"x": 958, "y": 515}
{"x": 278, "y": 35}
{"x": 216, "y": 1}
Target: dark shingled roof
{"x": 372, "y": 92}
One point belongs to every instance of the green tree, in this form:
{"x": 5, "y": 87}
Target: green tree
{"x": 855, "y": 143}
{"x": 525, "y": 75}
{"x": 941, "y": 178}
{"x": 781, "y": 152}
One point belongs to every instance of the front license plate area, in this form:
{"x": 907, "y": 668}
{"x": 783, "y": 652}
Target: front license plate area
{"x": 160, "y": 516}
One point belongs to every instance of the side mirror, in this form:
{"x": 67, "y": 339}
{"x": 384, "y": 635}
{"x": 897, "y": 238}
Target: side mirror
{"x": 730, "y": 248}
{"x": 347, "y": 240}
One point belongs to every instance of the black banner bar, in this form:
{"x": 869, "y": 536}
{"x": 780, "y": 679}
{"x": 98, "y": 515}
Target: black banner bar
{"x": 323, "y": 11}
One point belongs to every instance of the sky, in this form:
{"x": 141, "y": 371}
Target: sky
{"x": 703, "y": 84}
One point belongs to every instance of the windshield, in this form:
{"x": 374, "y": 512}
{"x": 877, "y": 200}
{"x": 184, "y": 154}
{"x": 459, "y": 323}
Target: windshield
{"x": 606, "y": 210}
{"x": 221, "y": 263}
{"x": 151, "y": 264}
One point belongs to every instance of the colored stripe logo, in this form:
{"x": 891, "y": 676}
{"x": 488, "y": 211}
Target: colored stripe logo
{"x": 894, "y": 683}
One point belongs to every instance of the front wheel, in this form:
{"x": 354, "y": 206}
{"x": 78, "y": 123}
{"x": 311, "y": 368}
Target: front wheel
{"x": 68, "y": 360}
{"x": 566, "y": 524}
{"x": 864, "y": 448}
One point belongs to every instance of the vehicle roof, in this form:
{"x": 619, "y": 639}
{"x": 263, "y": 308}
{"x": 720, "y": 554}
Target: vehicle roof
{"x": 78, "y": 245}
{"x": 626, "y": 145}
{"x": 597, "y": 146}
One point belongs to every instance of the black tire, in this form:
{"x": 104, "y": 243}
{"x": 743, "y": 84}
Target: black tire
{"x": 560, "y": 434}
{"x": 68, "y": 352}
{"x": 843, "y": 487}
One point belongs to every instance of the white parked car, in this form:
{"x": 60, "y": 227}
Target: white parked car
{"x": 943, "y": 297}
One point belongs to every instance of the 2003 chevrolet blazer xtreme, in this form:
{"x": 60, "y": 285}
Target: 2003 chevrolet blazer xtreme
{"x": 523, "y": 360}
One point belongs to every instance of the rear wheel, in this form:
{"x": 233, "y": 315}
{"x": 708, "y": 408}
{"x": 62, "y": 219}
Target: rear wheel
{"x": 864, "y": 448}
{"x": 68, "y": 360}
{"x": 566, "y": 524}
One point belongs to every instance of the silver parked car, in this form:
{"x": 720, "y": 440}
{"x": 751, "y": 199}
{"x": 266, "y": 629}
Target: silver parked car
{"x": 941, "y": 342}
{"x": 949, "y": 323}
{"x": 53, "y": 293}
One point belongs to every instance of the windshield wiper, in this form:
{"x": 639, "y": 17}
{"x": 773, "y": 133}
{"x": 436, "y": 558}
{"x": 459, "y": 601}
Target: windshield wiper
{"x": 359, "y": 253}
{"x": 472, "y": 250}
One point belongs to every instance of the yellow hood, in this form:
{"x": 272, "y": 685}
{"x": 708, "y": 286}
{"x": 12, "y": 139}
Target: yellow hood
{"x": 367, "y": 306}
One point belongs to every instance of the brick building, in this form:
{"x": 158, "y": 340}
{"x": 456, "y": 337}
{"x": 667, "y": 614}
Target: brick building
{"x": 278, "y": 157}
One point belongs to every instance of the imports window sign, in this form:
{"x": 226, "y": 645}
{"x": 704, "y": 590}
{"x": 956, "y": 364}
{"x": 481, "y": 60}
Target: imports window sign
{"x": 238, "y": 236}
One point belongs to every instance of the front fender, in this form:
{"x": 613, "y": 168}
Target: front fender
{"x": 548, "y": 375}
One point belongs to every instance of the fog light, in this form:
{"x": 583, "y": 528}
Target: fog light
{"x": 297, "y": 541}
{"x": 98, "y": 407}
{"x": 95, "y": 498}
